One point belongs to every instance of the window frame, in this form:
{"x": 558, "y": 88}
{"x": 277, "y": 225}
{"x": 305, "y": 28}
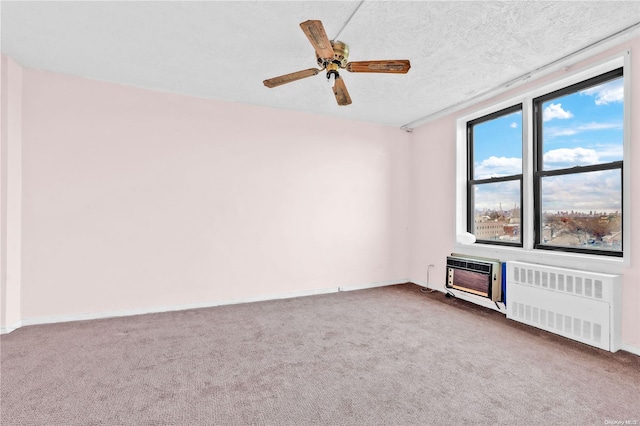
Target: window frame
{"x": 538, "y": 164}
{"x": 562, "y": 75}
{"x": 471, "y": 182}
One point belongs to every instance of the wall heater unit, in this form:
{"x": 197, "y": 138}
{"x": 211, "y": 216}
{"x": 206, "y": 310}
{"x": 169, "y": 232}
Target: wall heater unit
{"x": 583, "y": 306}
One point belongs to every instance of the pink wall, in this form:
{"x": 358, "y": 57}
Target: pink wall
{"x": 433, "y": 158}
{"x": 138, "y": 199}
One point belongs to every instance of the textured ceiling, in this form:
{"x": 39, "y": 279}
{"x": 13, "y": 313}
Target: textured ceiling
{"x": 225, "y": 49}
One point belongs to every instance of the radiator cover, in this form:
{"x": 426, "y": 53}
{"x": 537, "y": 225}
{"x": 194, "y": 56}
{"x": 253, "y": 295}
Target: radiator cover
{"x": 583, "y": 306}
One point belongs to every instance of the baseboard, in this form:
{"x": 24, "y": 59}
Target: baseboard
{"x": 630, "y": 348}
{"x": 11, "y": 327}
{"x": 373, "y": 285}
{"x": 158, "y": 309}
{"x": 422, "y": 284}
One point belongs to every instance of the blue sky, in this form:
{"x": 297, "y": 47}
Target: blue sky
{"x": 582, "y": 128}
{"x": 497, "y": 146}
{"x": 585, "y": 127}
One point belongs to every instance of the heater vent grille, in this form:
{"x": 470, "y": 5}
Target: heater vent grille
{"x": 565, "y": 281}
{"x": 580, "y": 305}
{"x": 559, "y": 323}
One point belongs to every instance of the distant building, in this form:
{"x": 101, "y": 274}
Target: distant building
{"x": 494, "y": 225}
{"x": 489, "y": 229}
{"x": 512, "y": 228}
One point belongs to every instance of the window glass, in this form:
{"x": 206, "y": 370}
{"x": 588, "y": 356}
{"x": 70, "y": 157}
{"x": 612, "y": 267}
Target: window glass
{"x": 497, "y": 146}
{"x": 584, "y": 127}
{"x": 582, "y": 210}
{"x": 497, "y": 211}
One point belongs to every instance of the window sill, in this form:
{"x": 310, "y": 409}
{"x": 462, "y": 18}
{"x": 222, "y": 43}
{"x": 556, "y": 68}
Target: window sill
{"x": 585, "y": 262}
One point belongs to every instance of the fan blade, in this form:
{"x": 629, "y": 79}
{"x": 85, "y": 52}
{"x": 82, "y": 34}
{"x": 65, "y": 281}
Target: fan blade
{"x": 340, "y": 90}
{"x": 314, "y": 30}
{"x": 398, "y": 66}
{"x": 288, "y": 78}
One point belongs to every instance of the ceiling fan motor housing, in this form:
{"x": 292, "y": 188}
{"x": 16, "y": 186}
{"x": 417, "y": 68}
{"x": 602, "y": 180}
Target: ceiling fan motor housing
{"x": 340, "y": 54}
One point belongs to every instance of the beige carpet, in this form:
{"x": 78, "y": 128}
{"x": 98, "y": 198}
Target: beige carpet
{"x": 385, "y": 356}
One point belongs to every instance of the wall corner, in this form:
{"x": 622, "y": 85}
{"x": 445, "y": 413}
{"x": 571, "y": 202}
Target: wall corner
{"x": 10, "y": 193}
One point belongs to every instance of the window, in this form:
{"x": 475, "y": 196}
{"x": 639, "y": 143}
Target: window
{"x": 578, "y": 156}
{"x": 494, "y": 192}
{"x": 545, "y": 171}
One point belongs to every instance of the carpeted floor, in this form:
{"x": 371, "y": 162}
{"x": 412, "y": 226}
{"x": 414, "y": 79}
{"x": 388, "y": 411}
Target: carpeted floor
{"x": 386, "y": 356}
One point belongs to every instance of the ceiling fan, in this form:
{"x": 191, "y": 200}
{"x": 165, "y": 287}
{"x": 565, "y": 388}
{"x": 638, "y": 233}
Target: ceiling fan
{"x": 333, "y": 55}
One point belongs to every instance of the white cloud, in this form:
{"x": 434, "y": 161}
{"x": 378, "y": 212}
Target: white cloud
{"x": 595, "y": 191}
{"x": 599, "y": 126}
{"x": 552, "y": 132}
{"x": 497, "y": 166}
{"x": 514, "y": 125}
{"x": 606, "y": 93}
{"x": 571, "y": 157}
{"x": 555, "y": 111}
{"x": 610, "y": 152}
{"x": 493, "y": 195}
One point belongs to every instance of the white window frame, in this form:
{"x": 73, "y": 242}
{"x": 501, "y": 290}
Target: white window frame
{"x": 601, "y": 263}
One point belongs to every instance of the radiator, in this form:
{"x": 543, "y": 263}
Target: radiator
{"x": 583, "y": 306}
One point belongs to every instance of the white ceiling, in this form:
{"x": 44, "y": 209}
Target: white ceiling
{"x": 225, "y": 49}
